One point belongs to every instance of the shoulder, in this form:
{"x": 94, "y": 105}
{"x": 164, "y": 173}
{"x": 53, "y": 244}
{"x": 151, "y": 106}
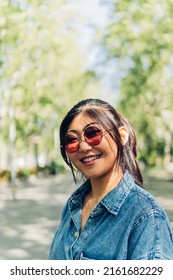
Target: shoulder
{"x": 141, "y": 203}
{"x": 136, "y": 194}
{"x": 147, "y": 210}
{"x": 143, "y": 197}
{"x": 151, "y": 235}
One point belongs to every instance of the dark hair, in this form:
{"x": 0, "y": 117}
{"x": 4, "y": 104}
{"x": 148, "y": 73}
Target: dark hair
{"x": 107, "y": 117}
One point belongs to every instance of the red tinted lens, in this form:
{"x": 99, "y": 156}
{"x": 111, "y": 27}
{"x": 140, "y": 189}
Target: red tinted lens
{"x": 93, "y": 135}
{"x": 71, "y": 143}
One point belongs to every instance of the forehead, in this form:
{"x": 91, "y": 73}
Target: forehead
{"x": 80, "y": 121}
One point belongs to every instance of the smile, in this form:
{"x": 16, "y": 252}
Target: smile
{"x": 89, "y": 159}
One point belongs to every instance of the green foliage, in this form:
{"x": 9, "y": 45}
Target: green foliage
{"x": 52, "y": 168}
{"x": 5, "y": 175}
{"x": 140, "y": 35}
{"x": 42, "y": 71}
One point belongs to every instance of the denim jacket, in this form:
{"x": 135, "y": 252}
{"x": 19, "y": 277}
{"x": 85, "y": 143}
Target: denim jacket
{"x": 127, "y": 224}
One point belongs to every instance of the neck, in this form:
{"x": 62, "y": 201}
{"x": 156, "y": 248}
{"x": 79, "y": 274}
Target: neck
{"x": 103, "y": 185}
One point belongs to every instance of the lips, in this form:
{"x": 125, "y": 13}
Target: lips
{"x": 90, "y": 158}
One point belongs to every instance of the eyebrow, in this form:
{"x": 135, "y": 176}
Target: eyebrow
{"x": 75, "y": 131}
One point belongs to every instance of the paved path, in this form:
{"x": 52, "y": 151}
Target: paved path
{"x": 29, "y": 223}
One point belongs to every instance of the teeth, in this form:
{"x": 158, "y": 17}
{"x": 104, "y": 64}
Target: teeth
{"x": 90, "y": 158}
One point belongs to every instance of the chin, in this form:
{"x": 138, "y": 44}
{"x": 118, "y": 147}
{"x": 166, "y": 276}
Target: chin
{"x": 92, "y": 176}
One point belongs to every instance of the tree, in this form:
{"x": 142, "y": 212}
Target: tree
{"x": 42, "y": 74}
{"x": 140, "y": 36}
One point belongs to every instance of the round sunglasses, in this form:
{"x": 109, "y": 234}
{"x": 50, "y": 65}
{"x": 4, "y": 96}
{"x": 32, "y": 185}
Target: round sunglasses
{"x": 92, "y": 135}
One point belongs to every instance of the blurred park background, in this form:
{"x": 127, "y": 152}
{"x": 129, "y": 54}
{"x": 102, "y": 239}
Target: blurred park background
{"x": 52, "y": 55}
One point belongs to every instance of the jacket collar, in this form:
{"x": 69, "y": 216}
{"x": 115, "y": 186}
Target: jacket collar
{"x": 112, "y": 201}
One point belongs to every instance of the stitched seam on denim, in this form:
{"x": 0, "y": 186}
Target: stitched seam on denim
{"x": 140, "y": 194}
{"x": 156, "y": 249}
{"x": 154, "y": 254}
{"x": 78, "y": 194}
{"x": 114, "y": 209}
{"x": 153, "y": 257}
{"x": 142, "y": 218}
{"x": 153, "y": 212}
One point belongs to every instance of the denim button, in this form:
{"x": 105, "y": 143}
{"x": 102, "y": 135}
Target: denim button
{"x": 76, "y": 234}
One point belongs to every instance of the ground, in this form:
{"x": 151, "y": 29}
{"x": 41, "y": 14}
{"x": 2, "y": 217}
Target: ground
{"x": 29, "y": 223}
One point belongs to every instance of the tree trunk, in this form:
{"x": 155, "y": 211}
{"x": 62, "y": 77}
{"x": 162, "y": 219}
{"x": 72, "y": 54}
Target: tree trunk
{"x": 12, "y": 137}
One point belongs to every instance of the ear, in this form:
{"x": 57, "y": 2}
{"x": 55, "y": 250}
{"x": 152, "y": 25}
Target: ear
{"x": 124, "y": 134}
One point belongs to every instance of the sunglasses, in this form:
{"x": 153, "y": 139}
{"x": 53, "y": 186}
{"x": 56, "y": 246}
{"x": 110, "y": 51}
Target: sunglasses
{"x": 92, "y": 135}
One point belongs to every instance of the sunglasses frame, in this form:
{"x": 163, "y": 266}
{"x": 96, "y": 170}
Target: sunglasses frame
{"x": 85, "y": 137}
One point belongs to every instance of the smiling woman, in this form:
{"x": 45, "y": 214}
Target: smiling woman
{"x": 110, "y": 216}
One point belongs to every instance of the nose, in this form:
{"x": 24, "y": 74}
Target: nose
{"x": 84, "y": 146}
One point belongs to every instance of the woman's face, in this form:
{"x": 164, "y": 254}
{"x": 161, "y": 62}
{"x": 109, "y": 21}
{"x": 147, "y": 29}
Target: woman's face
{"x": 92, "y": 161}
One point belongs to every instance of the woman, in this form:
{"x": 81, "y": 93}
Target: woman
{"x": 110, "y": 216}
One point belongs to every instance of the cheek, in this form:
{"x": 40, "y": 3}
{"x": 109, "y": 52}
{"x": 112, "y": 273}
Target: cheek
{"x": 111, "y": 147}
{"x": 112, "y": 157}
{"x": 73, "y": 159}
